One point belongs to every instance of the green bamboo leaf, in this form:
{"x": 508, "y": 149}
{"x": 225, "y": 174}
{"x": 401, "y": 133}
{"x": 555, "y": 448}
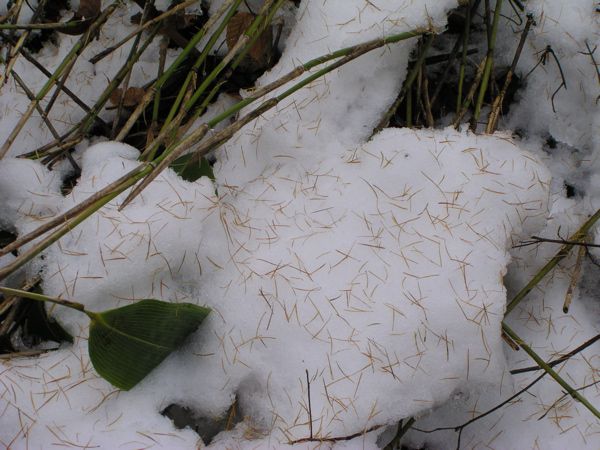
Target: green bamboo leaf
{"x": 127, "y": 343}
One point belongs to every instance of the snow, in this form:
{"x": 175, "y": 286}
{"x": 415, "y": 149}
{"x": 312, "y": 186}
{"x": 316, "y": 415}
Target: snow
{"x": 371, "y": 267}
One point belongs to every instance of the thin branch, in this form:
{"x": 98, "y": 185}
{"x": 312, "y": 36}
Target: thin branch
{"x": 579, "y": 235}
{"x": 563, "y": 358}
{"x": 537, "y": 240}
{"x": 143, "y": 27}
{"x": 497, "y": 104}
{"x": 338, "y": 438}
{"x": 573, "y": 392}
{"x": 460, "y": 428}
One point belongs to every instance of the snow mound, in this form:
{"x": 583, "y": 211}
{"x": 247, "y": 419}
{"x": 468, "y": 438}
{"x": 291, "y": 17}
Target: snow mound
{"x": 378, "y": 270}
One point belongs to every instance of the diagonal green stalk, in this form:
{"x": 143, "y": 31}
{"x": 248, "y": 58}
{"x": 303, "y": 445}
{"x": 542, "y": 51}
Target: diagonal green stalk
{"x": 177, "y": 149}
{"x": 564, "y": 251}
{"x": 132, "y": 54}
{"x": 573, "y": 392}
{"x": 142, "y": 27}
{"x": 201, "y": 59}
{"x": 90, "y": 117}
{"x": 241, "y": 48}
{"x": 463, "y": 61}
{"x": 412, "y": 75}
{"x": 70, "y": 219}
{"x": 167, "y": 74}
{"x": 73, "y": 54}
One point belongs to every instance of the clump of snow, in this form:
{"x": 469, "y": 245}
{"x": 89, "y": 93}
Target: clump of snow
{"x": 30, "y": 193}
{"x": 379, "y": 270}
{"x": 149, "y": 250}
{"x": 344, "y": 106}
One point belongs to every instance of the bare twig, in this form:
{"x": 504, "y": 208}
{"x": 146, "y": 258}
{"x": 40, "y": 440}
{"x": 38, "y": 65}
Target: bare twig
{"x": 460, "y": 428}
{"x": 573, "y": 392}
{"x": 337, "y": 438}
{"x": 497, "y": 104}
{"x": 579, "y": 235}
{"x": 144, "y": 26}
{"x": 310, "y": 425}
{"x": 563, "y": 358}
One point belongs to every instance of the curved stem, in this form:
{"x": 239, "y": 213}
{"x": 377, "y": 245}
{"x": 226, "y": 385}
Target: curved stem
{"x": 43, "y": 298}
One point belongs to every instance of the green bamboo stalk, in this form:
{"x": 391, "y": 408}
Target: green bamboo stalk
{"x": 84, "y": 125}
{"x": 80, "y": 212}
{"x": 74, "y": 53}
{"x": 93, "y": 204}
{"x": 42, "y": 298}
{"x": 579, "y": 235}
{"x": 403, "y": 428}
{"x": 489, "y": 60}
{"x": 176, "y": 150}
{"x": 463, "y": 61}
{"x": 132, "y": 55}
{"x": 157, "y": 86}
{"x": 412, "y": 75}
{"x": 15, "y": 49}
{"x": 201, "y": 59}
{"x": 540, "y": 362}
{"x": 13, "y": 12}
{"x": 42, "y": 26}
{"x": 241, "y": 48}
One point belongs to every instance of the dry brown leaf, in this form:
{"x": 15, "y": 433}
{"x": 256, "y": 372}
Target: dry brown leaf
{"x": 115, "y": 96}
{"x": 133, "y": 96}
{"x": 260, "y": 53}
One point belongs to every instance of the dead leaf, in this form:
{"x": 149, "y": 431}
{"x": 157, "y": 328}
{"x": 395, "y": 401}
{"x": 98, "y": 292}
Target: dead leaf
{"x": 260, "y": 53}
{"x": 133, "y": 96}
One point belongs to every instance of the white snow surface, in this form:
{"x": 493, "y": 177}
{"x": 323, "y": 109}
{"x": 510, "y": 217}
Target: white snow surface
{"x": 374, "y": 266}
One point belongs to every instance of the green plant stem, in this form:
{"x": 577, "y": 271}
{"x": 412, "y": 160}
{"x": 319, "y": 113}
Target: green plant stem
{"x": 489, "y": 60}
{"x": 240, "y": 49}
{"x": 43, "y": 298}
{"x": 158, "y": 85}
{"x": 42, "y": 26}
{"x": 403, "y": 427}
{"x": 564, "y": 251}
{"x": 176, "y": 150}
{"x": 497, "y": 104}
{"x": 133, "y": 55}
{"x": 80, "y": 212}
{"x": 540, "y": 362}
{"x": 90, "y": 117}
{"x": 412, "y": 75}
{"x": 201, "y": 59}
{"x": 73, "y": 54}
{"x": 72, "y": 218}
{"x": 463, "y": 62}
